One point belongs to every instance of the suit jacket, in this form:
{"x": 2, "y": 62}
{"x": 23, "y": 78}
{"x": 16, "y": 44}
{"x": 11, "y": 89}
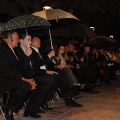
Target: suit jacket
{"x": 39, "y": 61}
{"x": 104, "y": 59}
{"x": 25, "y": 60}
{"x": 10, "y": 69}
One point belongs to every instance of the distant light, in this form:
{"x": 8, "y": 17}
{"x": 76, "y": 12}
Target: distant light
{"x": 93, "y": 28}
{"x": 46, "y": 7}
{"x": 111, "y": 36}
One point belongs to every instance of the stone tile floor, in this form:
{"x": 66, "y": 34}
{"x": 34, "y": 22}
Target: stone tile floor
{"x": 102, "y": 106}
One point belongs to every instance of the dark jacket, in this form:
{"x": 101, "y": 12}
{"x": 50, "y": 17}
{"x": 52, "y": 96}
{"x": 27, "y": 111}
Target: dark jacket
{"x": 27, "y": 72}
{"x": 39, "y": 62}
{"x": 10, "y": 69}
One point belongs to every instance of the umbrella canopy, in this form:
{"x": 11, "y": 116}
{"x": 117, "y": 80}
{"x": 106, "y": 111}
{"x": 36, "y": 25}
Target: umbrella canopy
{"x": 54, "y": 14}
{"x": 57, "y": 17}
{"x": 76, "y": 30}
{"x": 102, "y": 42}
{"x": 25, "y": 21}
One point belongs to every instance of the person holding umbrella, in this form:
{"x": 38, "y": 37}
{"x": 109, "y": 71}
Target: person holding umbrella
{"x": 43, "y": 63}
{"x": 45, "y": 85}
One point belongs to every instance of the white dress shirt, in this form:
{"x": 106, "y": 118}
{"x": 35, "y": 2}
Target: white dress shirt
{"x": 43, "y": 66}
{"x": 13, "y": 51}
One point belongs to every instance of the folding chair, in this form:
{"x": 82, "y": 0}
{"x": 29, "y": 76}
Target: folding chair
{"x": 2, "y": 105}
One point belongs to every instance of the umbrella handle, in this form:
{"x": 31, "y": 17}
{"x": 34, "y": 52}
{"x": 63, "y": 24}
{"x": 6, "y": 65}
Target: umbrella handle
{"x": 51, "y": 40}
{"x": 57, "y": 18}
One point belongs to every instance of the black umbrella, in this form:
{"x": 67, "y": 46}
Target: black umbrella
{"x": 75, "y": 30}
{"x": 25, "y": 21}
{"x": 102, "y": 42}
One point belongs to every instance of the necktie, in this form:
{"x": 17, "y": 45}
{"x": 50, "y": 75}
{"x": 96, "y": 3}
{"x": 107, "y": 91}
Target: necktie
{"x": 44, "y": 66}
{"x": 39, "y": 55}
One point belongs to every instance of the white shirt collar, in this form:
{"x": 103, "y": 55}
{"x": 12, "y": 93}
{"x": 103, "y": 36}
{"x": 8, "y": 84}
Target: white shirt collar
{"x": 35, "y": 49}
{"x": 13, "y": 51}
{"x": 10, "y": 47}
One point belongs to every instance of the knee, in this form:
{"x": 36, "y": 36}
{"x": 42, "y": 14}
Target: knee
{"x": 26, "y": 86}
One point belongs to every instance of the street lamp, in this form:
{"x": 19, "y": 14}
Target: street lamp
{"x": 111, "y": 36}
{"x": 46, "y": 7}
{"x": 93, "y": 28}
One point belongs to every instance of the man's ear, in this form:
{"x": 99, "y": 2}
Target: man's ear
{"x": 21, "y": 41}
{"x": 10, "y": 37}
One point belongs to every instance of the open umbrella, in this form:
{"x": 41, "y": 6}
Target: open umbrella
{"x": 102, "y": 42}
{"x": 57, "y": 17}
{"x": 25, "y": 21}
{"x": 76, "y": 30}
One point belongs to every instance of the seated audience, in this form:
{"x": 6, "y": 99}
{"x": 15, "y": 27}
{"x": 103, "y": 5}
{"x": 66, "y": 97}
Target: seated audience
{"x": 11, "y": 77}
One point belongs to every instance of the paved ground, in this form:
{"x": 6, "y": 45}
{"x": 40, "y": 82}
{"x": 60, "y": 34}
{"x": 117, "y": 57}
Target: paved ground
{"x": 103, "y": 106}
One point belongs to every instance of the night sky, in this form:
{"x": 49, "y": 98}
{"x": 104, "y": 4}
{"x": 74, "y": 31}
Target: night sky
{"x": 104, "y": 15}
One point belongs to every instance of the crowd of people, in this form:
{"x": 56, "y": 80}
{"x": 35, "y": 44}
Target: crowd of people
{"x": 33, "y": 77}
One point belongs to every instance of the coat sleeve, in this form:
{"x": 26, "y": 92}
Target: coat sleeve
{"x": 8, "y": 68}
{"x": 38, "y": 61}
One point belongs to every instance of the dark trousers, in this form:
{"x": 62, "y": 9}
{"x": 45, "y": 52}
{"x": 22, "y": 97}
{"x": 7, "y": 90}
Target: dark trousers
{"x": 19, "y": 94}
{"x": 54, "y": 86}
{"x": 106, "y": 76}
{"x": 67, "y": 75}
{"x": 45, "y": 85}
{"x": 86, "y": 76}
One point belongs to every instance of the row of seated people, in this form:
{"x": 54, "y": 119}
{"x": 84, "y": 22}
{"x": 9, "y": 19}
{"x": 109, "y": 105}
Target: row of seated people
{"x": 89, "y": 65}
{"x": 67, "y": 67}
{"x": 30, "y": 74}
{"x": 23, "y": 72}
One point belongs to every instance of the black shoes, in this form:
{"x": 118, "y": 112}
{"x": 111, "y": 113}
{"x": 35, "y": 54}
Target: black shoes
{"x": 108, "y": 83}
{"x": 76, "y": 90}
{"x": 8, "y": 114}
{"x": 41, "y": 110}
{"x": 93, "y": 92}
{"x": 46, "y": 108}
{"x": 71, "y": 102}
{"x": 31, "y": 114}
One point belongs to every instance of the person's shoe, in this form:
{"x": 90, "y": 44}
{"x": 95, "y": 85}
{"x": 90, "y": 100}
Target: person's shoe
{"x": 31, "y": 114}
{"x": 41, "y": 110}
{"x": 107, "y": 83}
{"x": 76, "y": 84}
{"x": 8, "y": 114}
{"x": 70, "y": 102}
{"x": 93, "y": 92}
{"x": 82, "y": 86}
{"x": 3, "y": 108}
{"x": 98, "y": 82}
{"x": 114, "y": 78}
{"x": 46, "y": 108}
{"x": 76, "y": 89}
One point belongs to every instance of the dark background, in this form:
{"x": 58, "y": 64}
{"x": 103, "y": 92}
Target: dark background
{"x": 104, "y": 15}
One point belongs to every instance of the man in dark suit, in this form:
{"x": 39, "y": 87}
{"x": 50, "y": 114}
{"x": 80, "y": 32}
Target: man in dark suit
{"x": 41, "y": 63}
{"x": 11, "y": 78}
{"x": 86, "y": 70}
{"x": 45, "y": 85}
{"x": 107, "y": 66}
